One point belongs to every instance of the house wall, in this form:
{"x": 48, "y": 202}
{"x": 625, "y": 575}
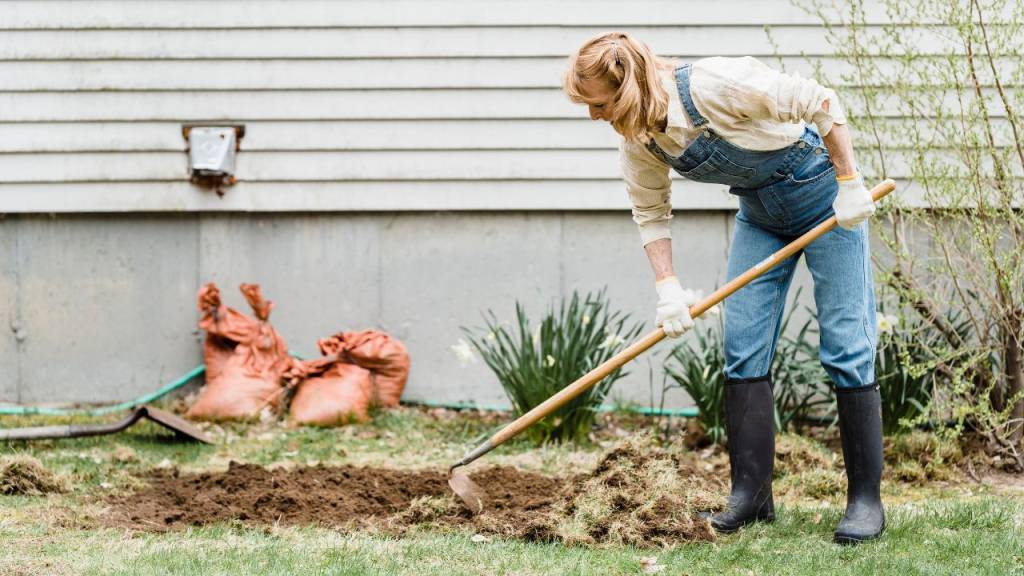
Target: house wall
{"x": 406, "y": 165}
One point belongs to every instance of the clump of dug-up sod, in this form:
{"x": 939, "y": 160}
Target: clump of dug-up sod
{"x": 805, "y": 468}
{"x": 639, "y": 494}
{"x": 918, "y": 457}
{"x": 25, "y": 475}
{"x": 795, "y": 454}
{"x": 423, "y": 510}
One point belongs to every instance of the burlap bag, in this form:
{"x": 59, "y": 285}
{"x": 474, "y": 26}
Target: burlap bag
{"x": 339, "y": 395}
{"x": 245, "y": 358}
{"x": 385, "y": 357}
{"x": 357, "y": 370}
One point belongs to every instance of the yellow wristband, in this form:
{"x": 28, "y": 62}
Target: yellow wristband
{"x": 847, "y": 177}
{"x": 665, "y": 279}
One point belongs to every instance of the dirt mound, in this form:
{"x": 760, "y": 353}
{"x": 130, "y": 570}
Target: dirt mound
{"x": 638, "y": 494}
{"x": 27, "y": 475}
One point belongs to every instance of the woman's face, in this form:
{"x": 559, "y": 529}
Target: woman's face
{"x": 598, "y": 97}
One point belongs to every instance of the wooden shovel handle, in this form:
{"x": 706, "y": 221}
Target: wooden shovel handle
{"x": 638, "y": 347}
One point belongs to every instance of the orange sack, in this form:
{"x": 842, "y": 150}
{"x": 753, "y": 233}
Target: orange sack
{"x": 385, "y": 357}
{"x": 339, "y": 395}
{"x": 245, "y": 358}
{"x": 357, "y": 370}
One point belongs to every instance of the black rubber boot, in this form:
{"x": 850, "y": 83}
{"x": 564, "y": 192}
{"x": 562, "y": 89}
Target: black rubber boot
{"x": 860, "y": 426}
{"x": 750, "y": 426}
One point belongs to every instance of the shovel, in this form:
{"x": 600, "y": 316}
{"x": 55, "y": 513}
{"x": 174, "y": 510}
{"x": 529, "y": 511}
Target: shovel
{"x": 473, "y": 496}
{"x": 173, "y": 423}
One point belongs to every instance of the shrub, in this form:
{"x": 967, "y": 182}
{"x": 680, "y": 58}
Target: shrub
{"x": 532, "y": 364}
{"x": 939, "y": 104}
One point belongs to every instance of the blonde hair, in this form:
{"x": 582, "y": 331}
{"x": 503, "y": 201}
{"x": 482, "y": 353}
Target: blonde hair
{"x": 629, "y": 67}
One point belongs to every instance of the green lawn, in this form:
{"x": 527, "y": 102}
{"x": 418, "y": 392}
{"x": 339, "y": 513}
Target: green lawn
{"x": 948, "y": 528}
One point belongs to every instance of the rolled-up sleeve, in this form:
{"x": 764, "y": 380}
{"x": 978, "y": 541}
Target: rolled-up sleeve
{"x": 650, "y": 190}
{"x": 757, "y": 91}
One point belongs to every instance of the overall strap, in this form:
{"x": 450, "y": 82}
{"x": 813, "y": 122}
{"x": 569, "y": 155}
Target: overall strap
{"x": 683, "y": 83}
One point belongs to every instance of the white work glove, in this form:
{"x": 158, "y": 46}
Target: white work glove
{"x": 853, "y": 204}
{"x": 674, "y": 307}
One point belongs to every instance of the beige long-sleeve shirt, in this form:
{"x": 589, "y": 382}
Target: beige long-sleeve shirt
{"x": 746, "y": 102}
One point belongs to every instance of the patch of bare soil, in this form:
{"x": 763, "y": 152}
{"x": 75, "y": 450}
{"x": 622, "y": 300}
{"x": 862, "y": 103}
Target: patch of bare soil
{"x": 638, "y": 494}
{"x": 328, "y": 496}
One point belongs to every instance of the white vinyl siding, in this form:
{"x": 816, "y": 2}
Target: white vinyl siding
{"x": 348, "y": 105}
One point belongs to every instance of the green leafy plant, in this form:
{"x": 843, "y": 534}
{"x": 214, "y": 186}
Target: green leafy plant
{"x": 906, "y": 391}
{"x": 909, "y": 350}
{"x": 698, "y": 367}
{"x": 533, "y": 363}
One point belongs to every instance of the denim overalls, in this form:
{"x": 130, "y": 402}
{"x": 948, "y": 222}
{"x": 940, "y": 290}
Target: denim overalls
{"x": 782, "y": 194}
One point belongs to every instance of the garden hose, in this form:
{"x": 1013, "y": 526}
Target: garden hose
{"x": 201, "y": 369}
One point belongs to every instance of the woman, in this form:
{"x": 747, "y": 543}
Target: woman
{"x": 781, "y": 144}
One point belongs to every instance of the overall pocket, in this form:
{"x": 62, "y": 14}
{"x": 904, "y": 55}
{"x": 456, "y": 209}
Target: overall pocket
{"x": 814, "y": 167}
{"x": 718, "y": 169}
{"x": 805, "y": 195}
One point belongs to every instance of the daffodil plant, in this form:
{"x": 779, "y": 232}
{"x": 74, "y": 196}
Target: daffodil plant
{"x": 534, "y": 361}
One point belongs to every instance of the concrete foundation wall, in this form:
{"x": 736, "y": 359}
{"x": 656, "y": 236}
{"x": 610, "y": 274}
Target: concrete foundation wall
{"x": 100, "y": 308}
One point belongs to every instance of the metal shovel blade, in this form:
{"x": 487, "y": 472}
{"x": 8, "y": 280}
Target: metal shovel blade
{"x": 472, "y": 495}
{"x": 176, "y": 424}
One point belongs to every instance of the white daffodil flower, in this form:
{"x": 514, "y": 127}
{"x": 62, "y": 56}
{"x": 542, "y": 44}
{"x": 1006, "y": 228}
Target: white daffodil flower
{"x": 464, "y": 352}
{"x": 549, "y": 360}
{"x": 886, "y": 323}
{"x": 611, "y": 341}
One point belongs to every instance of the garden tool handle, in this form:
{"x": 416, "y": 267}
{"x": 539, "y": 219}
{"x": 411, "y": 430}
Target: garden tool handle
{"x": 615, "y": 362}
{"x": 69, "y": 430}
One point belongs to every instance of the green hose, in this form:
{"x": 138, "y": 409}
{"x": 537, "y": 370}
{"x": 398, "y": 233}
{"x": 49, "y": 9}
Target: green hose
{"x": 645, "y": 410}
{"x": 201, "y": 369}
{"x": 164, "y": 391}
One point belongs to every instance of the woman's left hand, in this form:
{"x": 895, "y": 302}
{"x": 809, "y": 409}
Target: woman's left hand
{"x": 853, "y": 204}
